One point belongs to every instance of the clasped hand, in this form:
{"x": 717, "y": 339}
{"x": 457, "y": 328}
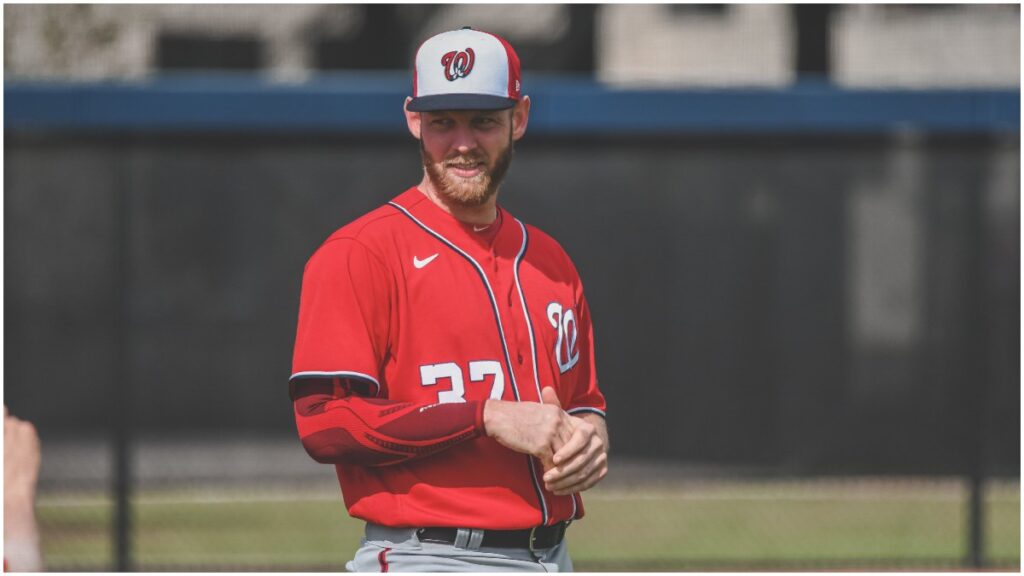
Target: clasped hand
{"x": 573, "y": 450}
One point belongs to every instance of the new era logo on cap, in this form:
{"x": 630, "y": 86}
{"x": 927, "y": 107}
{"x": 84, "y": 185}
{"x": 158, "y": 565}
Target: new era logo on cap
{"x": 465, "y": 70}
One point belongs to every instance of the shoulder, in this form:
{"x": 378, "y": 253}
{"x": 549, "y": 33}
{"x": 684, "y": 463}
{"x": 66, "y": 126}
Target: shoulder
{"x": 370, "y": 227}
{"x": 365, "y": 237}
{"x": 543, "y": 250}
{"x": 542, "y": 240}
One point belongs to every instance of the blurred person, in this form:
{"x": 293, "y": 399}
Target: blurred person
{"x": 439, "y": 339}
{"x": 21, "y": 472}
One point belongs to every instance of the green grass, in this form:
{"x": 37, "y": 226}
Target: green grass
{"x": 698, "y": 526}
{"x": 769, "y": 527}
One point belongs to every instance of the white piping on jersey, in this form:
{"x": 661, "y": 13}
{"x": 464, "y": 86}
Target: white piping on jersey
{"x": 526, "y": 313}
{"x": 588, "y": 409}
{"x": 529, "y": 326}
{"x": 359, "y": 375}
{"x": 501, "y": 334}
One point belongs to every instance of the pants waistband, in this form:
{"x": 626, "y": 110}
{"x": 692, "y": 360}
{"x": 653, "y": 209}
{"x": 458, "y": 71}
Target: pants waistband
{"x": 540, "y": 537}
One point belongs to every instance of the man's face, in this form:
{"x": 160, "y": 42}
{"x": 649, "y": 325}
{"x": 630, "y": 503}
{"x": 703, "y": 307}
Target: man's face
{"x": 466, "y": 152}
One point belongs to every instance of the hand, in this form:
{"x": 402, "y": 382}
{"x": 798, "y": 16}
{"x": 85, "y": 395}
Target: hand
{"x": 21, "y": 471}
{"x": 531, "y": 428}
{"x": 583, "y": 461}
{"x": 21, "y": 458}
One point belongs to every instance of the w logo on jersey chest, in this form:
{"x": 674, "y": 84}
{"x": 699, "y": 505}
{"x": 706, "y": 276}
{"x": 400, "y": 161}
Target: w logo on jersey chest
{"x": 563, "y": 320}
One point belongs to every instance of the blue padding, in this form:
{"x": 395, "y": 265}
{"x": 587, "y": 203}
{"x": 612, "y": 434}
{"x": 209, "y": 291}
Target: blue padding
{"x": 372, "y": 103}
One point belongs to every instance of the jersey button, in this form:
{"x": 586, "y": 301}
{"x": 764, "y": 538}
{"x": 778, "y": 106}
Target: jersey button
{"x": 520, "y": 358}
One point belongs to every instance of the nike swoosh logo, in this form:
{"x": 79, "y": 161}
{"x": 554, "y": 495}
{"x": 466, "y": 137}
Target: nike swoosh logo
{"x": 421, "y": 263}
{"x": 480, "y": 229}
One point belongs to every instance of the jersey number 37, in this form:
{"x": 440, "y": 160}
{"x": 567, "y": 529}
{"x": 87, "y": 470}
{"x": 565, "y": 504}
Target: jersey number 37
{"x": 479, "y": 370}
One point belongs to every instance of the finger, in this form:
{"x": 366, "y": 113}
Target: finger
{"x": 571, "y": 472}
{"x": 585, "y": 482}
{"x": 567, "y": 467}
{"x": 577, "y": 471}
{"x": 547, "y": 430}
{"x": 544, "y": 454}
{"x": 567, "y": 461}
{"x": 561, "y": 472}
{"x": 547, "y": 464}
{"x": 571, "y": 479}
{"x": 563, "y": 432}
{"x": 549, "y": 396}
{"x": 575, "y": 485}
{"x": 582, "y": 437}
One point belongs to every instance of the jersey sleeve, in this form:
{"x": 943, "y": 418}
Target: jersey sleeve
{"x": 344, "y": 318}
{"x": 586, "y": 395}
{"x": 336, "y": 427}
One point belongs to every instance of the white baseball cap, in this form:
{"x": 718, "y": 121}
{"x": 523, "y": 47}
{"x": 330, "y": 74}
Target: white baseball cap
{"x": 465, "y": 70}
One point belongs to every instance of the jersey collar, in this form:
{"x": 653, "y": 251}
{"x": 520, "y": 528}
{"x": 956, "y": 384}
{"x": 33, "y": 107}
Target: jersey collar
{"x": 459, "y": 233}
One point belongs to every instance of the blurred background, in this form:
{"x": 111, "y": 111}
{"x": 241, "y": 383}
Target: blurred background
{"x": 798, "y": 227}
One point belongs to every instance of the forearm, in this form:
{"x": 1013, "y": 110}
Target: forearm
{"x": 373, "y": 432}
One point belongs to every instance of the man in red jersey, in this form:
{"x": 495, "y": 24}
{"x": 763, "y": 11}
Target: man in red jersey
{"x": 444, "y": 357}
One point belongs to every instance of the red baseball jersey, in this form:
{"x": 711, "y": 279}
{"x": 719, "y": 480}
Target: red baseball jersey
{"x": 426, "y": 310}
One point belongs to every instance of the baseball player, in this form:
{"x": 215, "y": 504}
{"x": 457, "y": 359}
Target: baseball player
{"x": 444, "y": 357}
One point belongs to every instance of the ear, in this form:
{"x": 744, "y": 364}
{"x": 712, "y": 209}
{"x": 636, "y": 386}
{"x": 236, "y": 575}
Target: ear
{"x": 520, "y": 118}
{"x": 412, "y": 119}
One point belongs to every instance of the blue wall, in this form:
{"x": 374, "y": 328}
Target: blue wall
{"x": 368, "y": 103}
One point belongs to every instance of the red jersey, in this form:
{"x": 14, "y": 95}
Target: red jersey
{"x": 423, "y": 309}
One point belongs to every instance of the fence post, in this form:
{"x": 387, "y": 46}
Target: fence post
{"x": 976, "y": 375}
{"x": 121, "y": 403}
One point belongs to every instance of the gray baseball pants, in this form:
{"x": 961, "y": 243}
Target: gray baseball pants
{"x": 400, "y": 550}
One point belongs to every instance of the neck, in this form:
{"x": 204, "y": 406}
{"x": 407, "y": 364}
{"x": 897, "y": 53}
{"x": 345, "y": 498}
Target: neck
{"x": 481, "y": 215}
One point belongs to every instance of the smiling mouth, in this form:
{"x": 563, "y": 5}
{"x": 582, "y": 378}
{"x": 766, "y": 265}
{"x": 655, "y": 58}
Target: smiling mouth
{"x": 466, "y": 170}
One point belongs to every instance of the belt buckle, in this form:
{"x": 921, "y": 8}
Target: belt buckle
{"x": 533, "y": 538}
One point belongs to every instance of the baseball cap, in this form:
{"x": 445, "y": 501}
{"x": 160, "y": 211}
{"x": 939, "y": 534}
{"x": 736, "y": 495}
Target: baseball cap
{"x": 465, "y": 69}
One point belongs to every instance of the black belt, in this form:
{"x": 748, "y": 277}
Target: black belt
{"x": 530, "y": 538}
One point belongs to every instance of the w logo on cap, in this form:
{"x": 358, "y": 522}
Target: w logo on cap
{"x": 458, "y": 64}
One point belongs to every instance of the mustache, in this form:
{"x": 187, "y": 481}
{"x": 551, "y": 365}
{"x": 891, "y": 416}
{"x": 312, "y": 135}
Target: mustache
{"x": 465, "y": 159}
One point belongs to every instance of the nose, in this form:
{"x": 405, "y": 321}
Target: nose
{"x": 465, "y": 140}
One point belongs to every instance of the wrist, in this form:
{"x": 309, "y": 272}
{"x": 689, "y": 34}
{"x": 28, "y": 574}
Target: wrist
{"x": 490, "y": 415}
{"x": 478, "y": 421}
{"x": 20, "y": 520}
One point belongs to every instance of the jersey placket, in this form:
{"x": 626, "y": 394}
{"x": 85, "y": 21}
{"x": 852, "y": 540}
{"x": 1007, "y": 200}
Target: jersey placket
{"x": 498, "y": 259}
{"x": 519, "y": 333}
{"x": 505, "y": 255}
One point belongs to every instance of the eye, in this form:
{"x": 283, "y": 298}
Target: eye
{"x": 485, "y": 121}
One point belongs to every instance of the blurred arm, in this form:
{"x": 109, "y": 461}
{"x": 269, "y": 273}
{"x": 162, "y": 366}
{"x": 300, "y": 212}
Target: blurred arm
{"x": 21, "y": 471}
